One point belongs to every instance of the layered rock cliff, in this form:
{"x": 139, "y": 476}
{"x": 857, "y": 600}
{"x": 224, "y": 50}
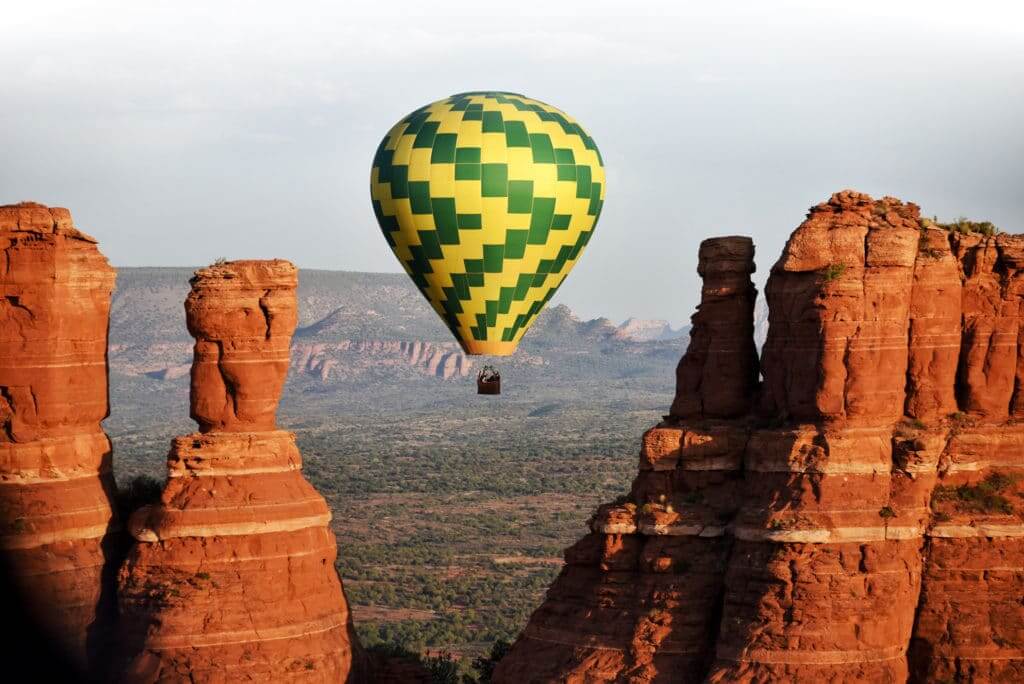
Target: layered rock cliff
{"x": 232, "y": 575}
{"x": 56, "y": 484}
{"x": 855, "y": 516}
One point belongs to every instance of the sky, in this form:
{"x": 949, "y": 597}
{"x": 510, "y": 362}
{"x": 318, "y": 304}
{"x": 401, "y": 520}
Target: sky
{"x": 181, "y": 132}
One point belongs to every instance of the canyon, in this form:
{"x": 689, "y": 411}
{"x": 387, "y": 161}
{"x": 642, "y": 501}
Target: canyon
{"x": 840, "y": 503}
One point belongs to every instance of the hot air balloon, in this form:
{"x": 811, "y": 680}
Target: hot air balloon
{"x": 487, "y": 199}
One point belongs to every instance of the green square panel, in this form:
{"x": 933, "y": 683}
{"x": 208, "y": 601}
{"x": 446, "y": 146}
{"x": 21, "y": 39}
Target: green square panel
{"x": 400, "y": 181}
{"x": 583, "y": 182}
{"x": 443, "y": 151}
{"x": 451, "y": 301}
{"x": 493, "y": 122}
{"x": 563, "y": 255}
{"x": 467, "y": 155}
{"x": 491, "y": 307}
{"x": 493, "y": 256}
{"x": 461, "y": 283}
{"x": 467, "y": 172}
{"x": 475, "y": 279}
{"x": 564, "y": 156}
{"x": 540, "y": 220}
{"x": 543, "y": 152}
{"x": 595, "y": 199}
{"x": 425, "y": 136}
{"x": 472, "y": 115}
{"x": 520, "y": 197}
{"x": 515, "y": 244}
{"x": 415, "y": 122}
{"x": 566, "y": 172}
{"x": 474, "y": 266}
{"x": 470, "y": 221}
{"x": 445, "y": 223}
{"x": 419, "y": 263}
{"x": 382, "y": 162}
{"x": 516, "y": 135}
{"x": 419, "y": 196}
{"x": 560, "y": 221}
{"x": 431, "y": 245}
{"x": 494, "y": 180}
{"x": 522, "y": 286}
{"x": 505, "y": 299}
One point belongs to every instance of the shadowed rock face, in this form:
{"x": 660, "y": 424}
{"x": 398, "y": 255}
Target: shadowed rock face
{"x": 854, "y": 518}
{"x": 56, "y": 519}
{"x": 717, "y": 376}
{"x": 232, "y": 575}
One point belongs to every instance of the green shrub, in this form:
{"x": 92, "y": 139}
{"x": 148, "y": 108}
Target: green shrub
{"x": 965, "y": 226}
{"x": 833, "y": 272}
{"x": 443, "y": 668}
{"x": 485, "y": 666}
{"x": 983, "y": 497}
{"x": 886, "y": 512}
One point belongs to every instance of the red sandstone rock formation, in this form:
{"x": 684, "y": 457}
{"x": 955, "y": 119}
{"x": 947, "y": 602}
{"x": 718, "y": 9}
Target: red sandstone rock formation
{"x": 232, "y": 575}
{"x": 55, "y": 461}
{"x": 716, "y": 377}
{"x": 863, "y": 510}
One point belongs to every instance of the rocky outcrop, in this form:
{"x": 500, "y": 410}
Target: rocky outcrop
{"x": 56, "y": 485}
{"x": 232, "y": 575}
{"x": 717, "y": 375}
{"x": 853, "y": 518}
{"x": 648, "y": 330}
{"x": 327, "y": 359}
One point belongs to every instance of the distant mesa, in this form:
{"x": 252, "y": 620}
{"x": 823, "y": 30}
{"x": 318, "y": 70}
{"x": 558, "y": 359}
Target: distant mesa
{"x": 647, "y": 330}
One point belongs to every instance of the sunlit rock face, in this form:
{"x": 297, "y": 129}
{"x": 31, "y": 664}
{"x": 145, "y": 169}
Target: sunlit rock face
{"x": 853, "y": 516}
{"x": 232, "y": 577}
{"x": 57, "y": 527}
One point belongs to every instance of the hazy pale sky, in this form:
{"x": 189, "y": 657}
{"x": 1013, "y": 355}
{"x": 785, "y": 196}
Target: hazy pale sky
{"x": 179, "y": 132}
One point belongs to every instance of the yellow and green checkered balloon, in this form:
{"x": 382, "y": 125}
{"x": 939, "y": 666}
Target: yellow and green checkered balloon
{"x": 487, "y": 199}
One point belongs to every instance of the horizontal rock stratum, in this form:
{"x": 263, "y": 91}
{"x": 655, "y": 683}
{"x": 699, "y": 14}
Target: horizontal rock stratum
{"x": 57, "y": 526}
{"x": 232, "y": 574}
{"x": 854, "y": 514}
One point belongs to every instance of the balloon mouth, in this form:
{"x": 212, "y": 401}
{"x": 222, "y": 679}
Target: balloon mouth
{"x": 488, "y": 348}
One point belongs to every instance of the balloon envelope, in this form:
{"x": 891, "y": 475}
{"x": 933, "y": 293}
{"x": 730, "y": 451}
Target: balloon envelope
{"x": 487, "y": 199}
